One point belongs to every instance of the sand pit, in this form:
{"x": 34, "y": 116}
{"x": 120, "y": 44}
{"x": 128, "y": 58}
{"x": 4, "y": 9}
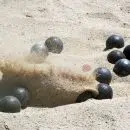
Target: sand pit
{"x": 50, "y": 83}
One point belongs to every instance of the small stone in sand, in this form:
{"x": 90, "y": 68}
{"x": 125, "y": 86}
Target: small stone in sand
{"x": 86, "y": 68}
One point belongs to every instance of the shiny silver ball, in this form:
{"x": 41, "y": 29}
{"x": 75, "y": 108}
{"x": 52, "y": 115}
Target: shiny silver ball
{"x": 39, "y": 52}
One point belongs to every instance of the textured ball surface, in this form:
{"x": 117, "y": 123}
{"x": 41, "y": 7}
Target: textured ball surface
{"x": 114, "y": 41}
{"x": 54, "y": 44}
{"x": 103, "y": 75}
{"x": 114, "y": 56}
{"x": 122, "y": 68}
{"x": 105, "y": 91}
{"x": 23, "y": 95}
{"x": 127, "y": 52}
{"x": 10, "y": 104}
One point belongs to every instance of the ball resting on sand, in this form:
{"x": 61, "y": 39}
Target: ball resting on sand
{"x": 50, "y": 85}
{"x": 10, "y": 104}
{"x": 114, "y": 41}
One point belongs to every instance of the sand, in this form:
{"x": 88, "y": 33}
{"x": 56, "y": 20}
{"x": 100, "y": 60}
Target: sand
{"x": 84, "y": 27}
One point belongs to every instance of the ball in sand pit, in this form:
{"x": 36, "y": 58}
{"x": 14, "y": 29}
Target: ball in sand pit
{"x": 10, "y": 104}
{"x": 114, "y": 56}
{"x": 39, "y": 52}
{"x": 127, "y": 52}
{"x": 50, "y": 84}
{"x": 105, "y": 91}
{"x": 114, "y": 41}
{"x": 122, "y": 68}
{"x": 23, "y": 95}
{"x": 103, "y": 75}
{"x": 54, "y": 44}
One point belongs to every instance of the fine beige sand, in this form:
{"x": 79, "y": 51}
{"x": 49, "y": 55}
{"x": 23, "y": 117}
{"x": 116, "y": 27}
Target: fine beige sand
{"x": 84, "y": 27}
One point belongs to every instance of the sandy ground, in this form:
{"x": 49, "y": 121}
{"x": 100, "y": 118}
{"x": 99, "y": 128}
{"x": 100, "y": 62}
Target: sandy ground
{"x": 83, "y": 26}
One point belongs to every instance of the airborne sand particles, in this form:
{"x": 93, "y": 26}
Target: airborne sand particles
{"x": 51, "y": 83}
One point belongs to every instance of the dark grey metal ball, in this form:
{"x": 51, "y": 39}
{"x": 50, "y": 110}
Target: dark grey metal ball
{"x": 54, "y": 44}
{"x": 114, "y": 41}
{"x": 114, "y": 56}
{"x": 23, "y": 95}
{"x": 105, "y": 91}
{"x": 122, "y": 67}
{"x": 103, "y": 75}
{"x": 126, "y": 51}
{"x": 10, "y": 104}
